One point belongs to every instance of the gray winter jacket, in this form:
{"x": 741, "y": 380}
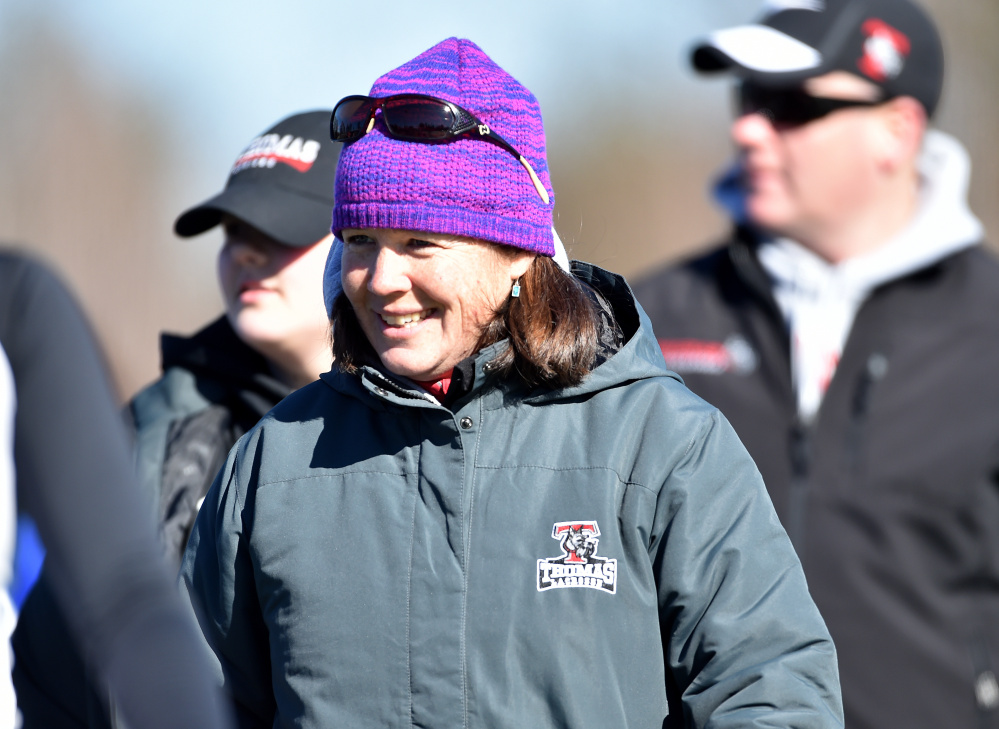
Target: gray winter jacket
{"x": 598, "y": 556}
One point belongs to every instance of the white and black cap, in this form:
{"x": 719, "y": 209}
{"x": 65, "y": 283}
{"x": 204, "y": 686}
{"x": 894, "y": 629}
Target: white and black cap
{"x": 281, "y": 184}
{"x": 891, "y": 43}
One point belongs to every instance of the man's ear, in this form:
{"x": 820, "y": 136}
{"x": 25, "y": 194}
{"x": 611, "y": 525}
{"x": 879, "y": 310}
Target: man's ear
{"x": 903, "y": 125}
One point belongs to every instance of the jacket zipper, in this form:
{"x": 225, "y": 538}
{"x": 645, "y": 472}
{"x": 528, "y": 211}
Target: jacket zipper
{"x": 801, "y": 447}
{"x": 874, "y": 370}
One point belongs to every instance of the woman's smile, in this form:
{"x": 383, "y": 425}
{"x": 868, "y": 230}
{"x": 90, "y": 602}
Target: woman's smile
{"x": 406, "y": 321}
{"x": 423, "y": 299}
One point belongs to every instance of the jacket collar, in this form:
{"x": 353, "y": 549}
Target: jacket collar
{"x": 216, "y": 353}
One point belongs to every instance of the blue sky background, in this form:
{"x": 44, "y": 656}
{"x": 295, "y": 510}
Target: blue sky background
{"x": 223, "y": 70}
{"x": 185, "y": 84}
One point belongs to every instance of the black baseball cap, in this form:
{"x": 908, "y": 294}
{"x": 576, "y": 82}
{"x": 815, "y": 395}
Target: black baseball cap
{"x": 891, "y": 43}
{"x": 281, "y": 184}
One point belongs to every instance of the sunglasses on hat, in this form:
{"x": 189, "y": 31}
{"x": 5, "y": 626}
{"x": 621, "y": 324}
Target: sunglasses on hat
{"x": 789, "y": 107}
{"x": 417, "y": 118}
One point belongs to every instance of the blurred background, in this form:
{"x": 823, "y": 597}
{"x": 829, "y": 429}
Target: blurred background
{"x": 117, "y": 115}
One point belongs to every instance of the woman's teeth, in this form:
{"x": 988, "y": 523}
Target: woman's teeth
{"x": 405, "y": 319}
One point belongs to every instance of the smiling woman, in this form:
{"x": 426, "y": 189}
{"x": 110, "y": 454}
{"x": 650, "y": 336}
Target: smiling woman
{"x": 423, "y": 300}
{"x": 500, "y": 509}
{"x": 421, "y": 303}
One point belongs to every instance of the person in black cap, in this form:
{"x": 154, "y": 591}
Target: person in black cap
{"x": 274, "y": 337}
{"x": 275, "y": 210}
{"x": 848, "y": 331}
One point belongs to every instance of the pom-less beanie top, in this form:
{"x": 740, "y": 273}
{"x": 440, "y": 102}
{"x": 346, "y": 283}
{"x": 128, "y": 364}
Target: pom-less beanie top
{"x": 465, "y": 187}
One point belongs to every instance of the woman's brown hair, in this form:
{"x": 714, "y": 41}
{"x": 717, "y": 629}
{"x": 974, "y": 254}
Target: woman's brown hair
{"x": 551, "y": 327}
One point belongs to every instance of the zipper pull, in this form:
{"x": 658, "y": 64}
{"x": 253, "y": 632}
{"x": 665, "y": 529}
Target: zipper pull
{"x": 874, "y": 371}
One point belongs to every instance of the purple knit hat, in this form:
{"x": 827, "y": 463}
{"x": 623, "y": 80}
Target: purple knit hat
{"x": 464, "y": 187}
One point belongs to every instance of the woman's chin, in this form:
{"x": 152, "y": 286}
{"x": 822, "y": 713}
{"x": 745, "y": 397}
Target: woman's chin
{"x": 258, "y": 331}
{"x": 412, "y": 367}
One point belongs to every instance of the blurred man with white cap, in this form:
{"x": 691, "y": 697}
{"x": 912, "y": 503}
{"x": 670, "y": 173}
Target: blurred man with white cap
{"x": 848, "y": 330}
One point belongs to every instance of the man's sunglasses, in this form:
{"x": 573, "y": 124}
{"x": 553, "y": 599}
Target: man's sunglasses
{"x": 417, "y": 118}
{"x": 789, "y": 107}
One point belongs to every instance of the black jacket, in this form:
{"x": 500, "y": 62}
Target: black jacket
{"x": 890, "y": 496}
{"x": 74, "y": 477}
{"x": 214, "y": 388}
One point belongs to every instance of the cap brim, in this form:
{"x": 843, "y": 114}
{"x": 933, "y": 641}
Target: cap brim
{"x": 286, "y": 216}
{"x": 757, "y": 51}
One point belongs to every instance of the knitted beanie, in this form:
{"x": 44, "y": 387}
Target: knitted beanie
{"x": 466, "y": 186}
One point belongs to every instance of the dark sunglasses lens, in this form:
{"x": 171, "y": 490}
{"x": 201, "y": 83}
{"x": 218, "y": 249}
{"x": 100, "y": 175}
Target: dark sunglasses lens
{"x": 350, "y": 119}
{"x": 418, "y": 119}
{"x": 768, "y": 103}
{"x": 783, "y": 107}
{"x": 746, "y": 100}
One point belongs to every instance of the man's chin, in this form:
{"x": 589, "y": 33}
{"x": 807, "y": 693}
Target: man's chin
{"x": 769, "y": 214}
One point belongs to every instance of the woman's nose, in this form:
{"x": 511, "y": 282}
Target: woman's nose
{"x": 389, "y": 273}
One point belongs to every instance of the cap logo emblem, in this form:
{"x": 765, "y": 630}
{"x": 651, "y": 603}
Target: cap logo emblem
{"x": 885, "y": 51}
{"x": 269, "y": 149}
{"x": 579, "y": 565}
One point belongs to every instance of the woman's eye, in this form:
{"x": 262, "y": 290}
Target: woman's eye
{"x": 417, "y": 243}
{"x": 358, "y": 240}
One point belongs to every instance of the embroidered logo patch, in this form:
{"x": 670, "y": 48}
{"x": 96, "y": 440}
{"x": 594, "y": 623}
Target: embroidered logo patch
{"x": 885, "y": 50}
{"x": 695, "y": 356}
{"x": 579, "y": 565}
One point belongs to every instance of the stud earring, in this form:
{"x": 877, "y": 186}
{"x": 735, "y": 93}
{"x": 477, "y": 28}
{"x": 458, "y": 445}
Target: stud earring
{"x": 515, "y": 291}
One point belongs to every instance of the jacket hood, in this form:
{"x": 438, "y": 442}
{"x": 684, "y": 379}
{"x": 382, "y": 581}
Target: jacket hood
{"x": 638, "y": 358}
{"x": 215, "y": 353}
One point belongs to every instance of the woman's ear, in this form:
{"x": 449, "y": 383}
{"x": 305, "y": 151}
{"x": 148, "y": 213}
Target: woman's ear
{"x": 519, "y": 263}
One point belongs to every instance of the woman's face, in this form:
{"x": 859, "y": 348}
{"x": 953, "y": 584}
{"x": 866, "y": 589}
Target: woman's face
{"x": 423, "y": 299}
{"x": 273, "y": 294}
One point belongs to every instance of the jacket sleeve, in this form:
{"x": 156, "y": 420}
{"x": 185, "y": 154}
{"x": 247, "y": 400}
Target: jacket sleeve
{"x": 743, "y": 641}
{"x": 217, "y": 576}
{"x": 74, "y": 476}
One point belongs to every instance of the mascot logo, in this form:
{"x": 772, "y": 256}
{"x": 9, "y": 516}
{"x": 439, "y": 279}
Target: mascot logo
{"x": 578, "y": 566}
{"x": 885, "y": 51}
